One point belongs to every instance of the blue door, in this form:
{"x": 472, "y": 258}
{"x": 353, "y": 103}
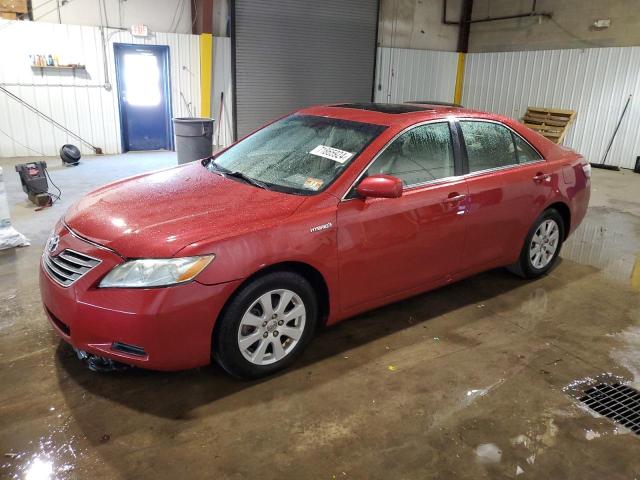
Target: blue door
{"x": 142, "y": 73}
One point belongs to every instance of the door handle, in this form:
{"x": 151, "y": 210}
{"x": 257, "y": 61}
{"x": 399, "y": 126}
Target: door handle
{"x": 454, "y": 197}
{"x": 541, "y": 177}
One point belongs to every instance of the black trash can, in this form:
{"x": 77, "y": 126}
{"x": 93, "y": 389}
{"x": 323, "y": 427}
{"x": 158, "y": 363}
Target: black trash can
{"x": 194, "y": 138}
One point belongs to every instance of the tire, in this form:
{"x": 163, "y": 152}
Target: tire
{"x": 246, "y": 337}
{"x": 529, "y": 265}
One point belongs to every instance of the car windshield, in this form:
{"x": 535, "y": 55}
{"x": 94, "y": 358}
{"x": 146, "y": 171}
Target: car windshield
{"x": 297, "y": 154}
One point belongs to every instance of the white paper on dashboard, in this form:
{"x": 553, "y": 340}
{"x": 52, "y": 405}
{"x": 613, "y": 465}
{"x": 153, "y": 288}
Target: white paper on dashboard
{"x": 331, "y": 153}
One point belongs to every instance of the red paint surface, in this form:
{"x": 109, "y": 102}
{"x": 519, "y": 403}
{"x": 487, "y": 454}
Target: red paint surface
{"x": 376, "y": 251}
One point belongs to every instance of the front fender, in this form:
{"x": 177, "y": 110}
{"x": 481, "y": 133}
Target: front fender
{"x": 309, "y": 238}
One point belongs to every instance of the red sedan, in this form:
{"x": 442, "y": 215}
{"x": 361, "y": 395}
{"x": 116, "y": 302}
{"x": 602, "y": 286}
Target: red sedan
{"x": 314, "y": 218}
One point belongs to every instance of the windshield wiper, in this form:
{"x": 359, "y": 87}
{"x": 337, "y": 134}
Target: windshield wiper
{"x": 212, "y": 166}
{"x": 243, "y": 177}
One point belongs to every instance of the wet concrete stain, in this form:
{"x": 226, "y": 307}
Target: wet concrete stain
{"x": 478, "y": 388}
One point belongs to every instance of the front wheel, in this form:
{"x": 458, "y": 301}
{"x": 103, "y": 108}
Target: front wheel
{"x": 266, "y": 325}
{"x": 542, "y": 245}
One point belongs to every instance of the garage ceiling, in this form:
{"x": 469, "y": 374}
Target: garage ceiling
{"x": 295, "y": 53}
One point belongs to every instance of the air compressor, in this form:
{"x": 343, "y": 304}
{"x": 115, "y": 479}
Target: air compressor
{"x": 33, "y": 177}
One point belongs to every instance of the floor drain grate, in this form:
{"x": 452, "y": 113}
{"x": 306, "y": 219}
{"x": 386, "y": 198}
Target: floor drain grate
{"x": 618, "y": 402}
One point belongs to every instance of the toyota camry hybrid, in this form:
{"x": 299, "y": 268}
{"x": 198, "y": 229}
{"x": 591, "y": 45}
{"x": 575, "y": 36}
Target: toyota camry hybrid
{"x": 320, "y": 215}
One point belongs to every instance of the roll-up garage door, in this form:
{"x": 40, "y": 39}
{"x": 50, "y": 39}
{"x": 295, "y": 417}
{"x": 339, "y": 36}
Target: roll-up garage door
{"x": 295, "y": 53}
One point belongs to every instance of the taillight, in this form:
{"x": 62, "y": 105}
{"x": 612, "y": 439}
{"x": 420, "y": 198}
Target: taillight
{"x": 586, "y": 168}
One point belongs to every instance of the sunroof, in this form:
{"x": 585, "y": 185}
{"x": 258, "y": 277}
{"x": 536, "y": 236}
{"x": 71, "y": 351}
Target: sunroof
{"x": 384, "y": 107}
{"x": 431, "y": 102}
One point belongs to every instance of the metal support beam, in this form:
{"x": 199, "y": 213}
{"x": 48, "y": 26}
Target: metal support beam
{"x": 465, "y": 26}
{"x": 201, "y": 16}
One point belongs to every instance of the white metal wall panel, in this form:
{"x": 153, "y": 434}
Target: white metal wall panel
{"x": 222, "y": 82}
{"x": 404, "y": 74}
{"x": 295, "y": 53}
{"x": 595, "y": 82}
{"x": 80, "y": 103}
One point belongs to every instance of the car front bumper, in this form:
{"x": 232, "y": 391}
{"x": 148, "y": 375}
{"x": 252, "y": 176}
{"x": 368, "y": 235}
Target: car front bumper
{"x": 170, "y": 328}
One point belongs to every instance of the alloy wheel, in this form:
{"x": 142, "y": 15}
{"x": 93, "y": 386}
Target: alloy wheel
{"x": 544, "y": 244}
{"x": 271, "y": 327}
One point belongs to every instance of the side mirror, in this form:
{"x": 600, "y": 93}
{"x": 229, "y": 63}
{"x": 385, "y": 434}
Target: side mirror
{"x": 380, "y": 186}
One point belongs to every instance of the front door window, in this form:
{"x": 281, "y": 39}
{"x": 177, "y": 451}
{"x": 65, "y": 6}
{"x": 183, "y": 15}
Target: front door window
{"x": 420, "y": 155}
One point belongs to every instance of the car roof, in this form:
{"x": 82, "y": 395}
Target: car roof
{"x": 390, "y": 113}
{"x": 398, "y": 117}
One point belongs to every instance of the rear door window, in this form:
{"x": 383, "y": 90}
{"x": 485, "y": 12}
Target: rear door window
{"x": 489, "y": 145}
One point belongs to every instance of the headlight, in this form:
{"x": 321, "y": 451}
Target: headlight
{"x": 155, "y": 272}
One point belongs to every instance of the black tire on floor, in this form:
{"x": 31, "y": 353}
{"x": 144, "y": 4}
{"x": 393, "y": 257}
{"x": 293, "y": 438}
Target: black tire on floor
{"x": 226, "y": 351}
{"x": 524, "y": 267}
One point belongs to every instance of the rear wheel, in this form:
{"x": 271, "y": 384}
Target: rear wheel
{"x": 542, "y": 245}
{"x": 266, "y": 325}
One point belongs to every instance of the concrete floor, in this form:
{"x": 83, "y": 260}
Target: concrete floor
{"x": 469, "y": 381}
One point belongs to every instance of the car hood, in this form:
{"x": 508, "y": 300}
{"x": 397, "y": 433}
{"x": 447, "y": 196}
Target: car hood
{"x": 157, "y": 214}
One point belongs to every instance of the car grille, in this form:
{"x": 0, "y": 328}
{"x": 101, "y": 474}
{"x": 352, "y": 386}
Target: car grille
{"x": 68, "y": 266}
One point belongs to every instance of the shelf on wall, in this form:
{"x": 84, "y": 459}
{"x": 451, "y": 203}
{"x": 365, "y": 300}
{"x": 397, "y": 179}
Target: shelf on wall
{"x": 42, "y": 69}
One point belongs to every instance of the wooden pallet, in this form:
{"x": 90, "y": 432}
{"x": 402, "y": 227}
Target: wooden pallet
{"x": 553, "y": 123}
{"x": 14, "y": 6}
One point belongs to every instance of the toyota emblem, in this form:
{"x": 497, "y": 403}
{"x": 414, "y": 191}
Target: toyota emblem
{"x": 52, "y": 243}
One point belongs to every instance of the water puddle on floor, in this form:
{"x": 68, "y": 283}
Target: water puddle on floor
{"x": 475, "y": 393}
{"x": 609, "y": 240}
{"x": 540, "y": 436}
{"x": 627, "y": 352}
{"x": 488, "y": 453}
{"x": 39, "y": 466}
{"x": 48, "y": 458}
